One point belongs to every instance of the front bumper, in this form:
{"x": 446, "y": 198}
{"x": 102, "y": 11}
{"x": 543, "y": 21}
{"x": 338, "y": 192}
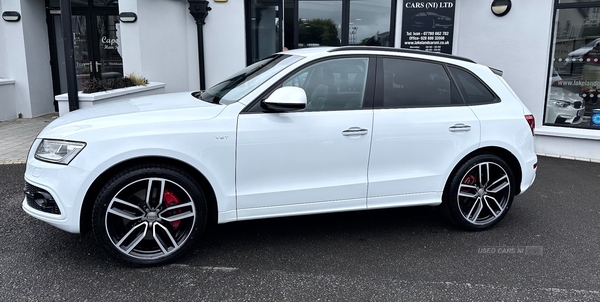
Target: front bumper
{"x": 66, "y": 184}
{"x": 568, "y": 115}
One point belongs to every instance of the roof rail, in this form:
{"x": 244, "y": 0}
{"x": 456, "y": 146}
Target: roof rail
{"x": 402, "y": 50}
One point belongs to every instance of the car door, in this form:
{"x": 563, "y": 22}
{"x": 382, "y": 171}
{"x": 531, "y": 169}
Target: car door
{"x": 312, "y": 160}
{"x": 421, "y": 128}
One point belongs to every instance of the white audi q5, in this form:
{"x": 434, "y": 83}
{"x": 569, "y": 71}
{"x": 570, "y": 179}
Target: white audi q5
{"x": 301, "y": 132}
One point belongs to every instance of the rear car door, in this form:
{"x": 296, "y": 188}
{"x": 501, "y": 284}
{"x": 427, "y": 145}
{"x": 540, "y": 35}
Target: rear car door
{"x": 421, "y": 128}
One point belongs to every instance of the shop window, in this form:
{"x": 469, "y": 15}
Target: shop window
{"x": 273, "y": 25}
{"x": 86, "y": 3}
{"x": 263, "y": 28}
{"x": 319, "y": 23}
{"x": 574, "y": 73}
{"x": 577, "y": 1}
{"x": 370, "y": 22}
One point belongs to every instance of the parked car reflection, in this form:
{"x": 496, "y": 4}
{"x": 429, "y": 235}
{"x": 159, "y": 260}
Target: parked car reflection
{"x": 563, "y": 106}
{"x": 430, "y": 20}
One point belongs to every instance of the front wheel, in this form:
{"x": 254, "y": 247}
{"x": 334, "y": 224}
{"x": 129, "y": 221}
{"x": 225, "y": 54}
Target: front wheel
{"x": 479, "y": 193}
{"x": 149, "y": 214}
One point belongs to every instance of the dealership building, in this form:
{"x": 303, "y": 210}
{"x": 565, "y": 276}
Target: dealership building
{"x": 549, "y": 51}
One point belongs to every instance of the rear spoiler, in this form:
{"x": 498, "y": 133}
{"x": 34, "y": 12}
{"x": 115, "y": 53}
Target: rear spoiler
{"x": 498, "y": 72}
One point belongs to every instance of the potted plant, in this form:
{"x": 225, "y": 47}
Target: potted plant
{"x": 97, "y": 91}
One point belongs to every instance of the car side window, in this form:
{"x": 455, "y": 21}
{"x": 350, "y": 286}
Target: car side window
{"x": 337, "y": 84}
{"x": 410, "y": 83}
{"x": 472, "y": 90}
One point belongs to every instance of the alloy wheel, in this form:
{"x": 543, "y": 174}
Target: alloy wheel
{"x": 484, "y": 193}
{"x": 150, "y": 218}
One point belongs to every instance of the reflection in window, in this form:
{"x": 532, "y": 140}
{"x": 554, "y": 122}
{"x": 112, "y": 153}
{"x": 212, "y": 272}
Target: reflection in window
{"x": 370, "y": 22}
{"x": 106, "y": 3}
{"x": 576, "y": 1}
{"x": 408, "y": 83}
{"x": 265, "y": 29}
{"x": 319, "y": 23}
{"x": 333, "y": 85}
{"x": 473, "y": 91}
{"x": 110, "y": 63}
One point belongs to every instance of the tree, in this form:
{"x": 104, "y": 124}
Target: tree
{"x": 323, "y": 32}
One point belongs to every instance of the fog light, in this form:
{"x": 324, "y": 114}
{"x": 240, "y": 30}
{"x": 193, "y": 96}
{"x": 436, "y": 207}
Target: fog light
{"x": 43, "y": 199}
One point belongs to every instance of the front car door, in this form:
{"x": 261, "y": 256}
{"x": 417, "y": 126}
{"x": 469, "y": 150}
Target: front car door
{"x": 421, "y": 127}
{"x": 313, "y": 160}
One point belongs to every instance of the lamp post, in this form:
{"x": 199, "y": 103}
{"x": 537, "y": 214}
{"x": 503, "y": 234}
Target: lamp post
{"x": 199, "y": 10}
{"x": 353, "y": 30}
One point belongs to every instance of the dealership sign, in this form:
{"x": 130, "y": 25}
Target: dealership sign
{"x": 428, "y": 25}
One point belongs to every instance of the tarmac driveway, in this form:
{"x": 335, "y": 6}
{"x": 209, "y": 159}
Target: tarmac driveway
{"x": 546, "y": 249}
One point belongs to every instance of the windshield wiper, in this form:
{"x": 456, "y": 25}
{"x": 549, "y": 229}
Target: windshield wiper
{"x": 234, "y": 82}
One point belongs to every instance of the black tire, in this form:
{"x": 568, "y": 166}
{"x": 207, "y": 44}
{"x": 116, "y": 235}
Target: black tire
{"x": 474, "y": 201}
{"x": 143, "y": 229}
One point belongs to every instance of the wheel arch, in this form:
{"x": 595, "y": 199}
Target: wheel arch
{"x": 504, "y": 154}
{"x": 85, "y": 218}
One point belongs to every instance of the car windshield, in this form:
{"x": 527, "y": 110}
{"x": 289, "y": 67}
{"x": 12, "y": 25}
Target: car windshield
{"x": 246, "y": 80}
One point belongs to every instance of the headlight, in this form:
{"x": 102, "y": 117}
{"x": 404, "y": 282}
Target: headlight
{"x": 57, "y": 151}
{"x": 562, "y": 104}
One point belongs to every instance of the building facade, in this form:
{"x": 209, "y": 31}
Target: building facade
{"x": 549, "y": 51}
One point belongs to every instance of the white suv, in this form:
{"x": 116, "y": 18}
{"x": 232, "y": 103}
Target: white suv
{"x": 301, "y": 132}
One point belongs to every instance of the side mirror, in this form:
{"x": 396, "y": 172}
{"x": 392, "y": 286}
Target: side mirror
{"x": 286, "y": 99}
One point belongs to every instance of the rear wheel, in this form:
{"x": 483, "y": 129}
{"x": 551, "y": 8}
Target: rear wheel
{"x": 149, "y": 214}
{"x": 480, "y": 193}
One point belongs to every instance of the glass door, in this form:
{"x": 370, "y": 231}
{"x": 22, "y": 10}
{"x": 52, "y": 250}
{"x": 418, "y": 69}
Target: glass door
{"x": 107, "y": 62}
{"x": 83, "y": 63}
{"x": 96, "y": 42}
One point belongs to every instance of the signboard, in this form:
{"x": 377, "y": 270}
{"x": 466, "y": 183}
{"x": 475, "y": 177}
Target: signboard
{"x": 428, "y": 25}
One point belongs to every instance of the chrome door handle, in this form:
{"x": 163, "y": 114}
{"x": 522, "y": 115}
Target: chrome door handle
{"x": 459, "y": 127}
{"x": 355, "y": 131}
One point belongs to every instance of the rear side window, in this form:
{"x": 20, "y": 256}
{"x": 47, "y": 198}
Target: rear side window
{"x": 411, "y": 83}
{"x": 473, "y": 91}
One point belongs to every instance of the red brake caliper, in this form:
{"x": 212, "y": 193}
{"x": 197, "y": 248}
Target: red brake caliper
{"x": 469, "y": 180}
{"x": 172, "y": 200}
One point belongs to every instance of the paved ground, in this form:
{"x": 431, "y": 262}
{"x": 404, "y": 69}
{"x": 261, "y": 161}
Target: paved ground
{"x": 546, "y": 249}
{"x": 17, "y": 135}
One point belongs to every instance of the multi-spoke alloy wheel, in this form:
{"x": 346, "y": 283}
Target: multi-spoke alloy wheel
{"x": 480, "y": 193}
{"x": 149, "y": 214}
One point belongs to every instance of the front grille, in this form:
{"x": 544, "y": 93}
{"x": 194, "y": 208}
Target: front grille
{"x": 32, "y": 192}
{"x": 577, "y": 104}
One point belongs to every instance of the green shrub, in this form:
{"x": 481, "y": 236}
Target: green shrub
{"x": 95, "y": 85}
{"x": 137, "y": 80}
